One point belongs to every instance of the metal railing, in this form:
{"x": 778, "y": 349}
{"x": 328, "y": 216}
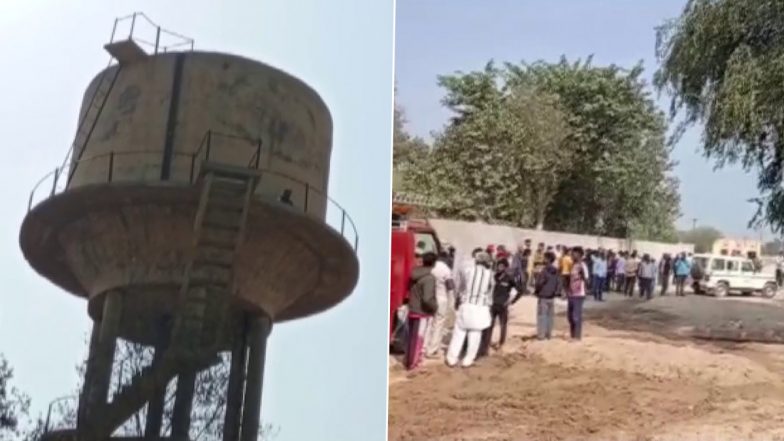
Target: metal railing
{"x": 214, "y": 142}
{"x": 113, "y": 167}
{"x": 163, "y": 40}
{"x": 61, "y": 414}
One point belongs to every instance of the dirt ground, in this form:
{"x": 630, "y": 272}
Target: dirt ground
{"x": 638, "y": 374}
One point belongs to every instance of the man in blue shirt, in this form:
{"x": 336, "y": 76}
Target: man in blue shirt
{"x": 599, "y": 275}
{"x": 682, "y": 271}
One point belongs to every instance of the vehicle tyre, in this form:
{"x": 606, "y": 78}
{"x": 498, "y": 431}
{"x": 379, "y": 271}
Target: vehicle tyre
{"x": 722, "y": 289}
{"x": 770, "y": 290}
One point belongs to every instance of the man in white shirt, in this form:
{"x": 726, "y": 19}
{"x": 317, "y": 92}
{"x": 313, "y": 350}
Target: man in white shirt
{"x": 474, "y": 287}
{"x": 444, "y": 287}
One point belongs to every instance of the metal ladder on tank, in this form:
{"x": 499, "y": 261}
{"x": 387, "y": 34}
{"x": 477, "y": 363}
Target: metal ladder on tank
{"x": 208, "y": 282}
{"x": 120, "y": 52}
{"x": 90, "y": 118}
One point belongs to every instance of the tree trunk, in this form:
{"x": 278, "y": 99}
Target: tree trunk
{"x": 540, "y": 214}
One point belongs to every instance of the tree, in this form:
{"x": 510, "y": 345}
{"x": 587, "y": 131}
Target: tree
{"x": 621, "y": 183}
{"x": 13, "y": 404}
{"x": 703, "y": 238}
{"x": 586, "y": 141}
{"x": 721, "y": 61}
{"x": 406, "y": 149}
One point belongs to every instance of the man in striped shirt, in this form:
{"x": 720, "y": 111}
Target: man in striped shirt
{"x": 475, "y": 287}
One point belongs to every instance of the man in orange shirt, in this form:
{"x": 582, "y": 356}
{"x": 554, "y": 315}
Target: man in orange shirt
{"x": 565, "y": 266}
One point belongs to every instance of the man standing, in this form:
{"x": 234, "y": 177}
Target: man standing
{"x": 474, "y": 286}
{"x": 620, "y": 272}
{"x": 520, "y": 268}
{"x": 539, "y": 257}
{"x": 444, "y": 287}
{"x": 780, "y": 268}
{"x": 611, "y": 262}
{"x": 647, "y": 273}
{"x": 578, "y": 280}
{"x": 599, "y": 275}
{"x": 682, "y": 271}
{"x": 502, "y": 291}
{"x": 665, "y": 273}
{"x": 632, "y": 267}
{"x": 565, "y": 265}
{"x": 548, "y": 286}
{"x": 422, "y": 305}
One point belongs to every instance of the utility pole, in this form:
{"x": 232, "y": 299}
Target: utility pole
{"x": 693, "y": 223}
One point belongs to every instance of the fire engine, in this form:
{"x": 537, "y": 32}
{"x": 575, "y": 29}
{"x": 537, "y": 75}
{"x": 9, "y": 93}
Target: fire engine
{"x": 411, "y": 236}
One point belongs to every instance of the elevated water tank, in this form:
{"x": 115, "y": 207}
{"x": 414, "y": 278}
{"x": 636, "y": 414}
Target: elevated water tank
{"x": 132, "y": 187}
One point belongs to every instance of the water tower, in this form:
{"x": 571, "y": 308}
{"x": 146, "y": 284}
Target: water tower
{"x": 191, "y": 214}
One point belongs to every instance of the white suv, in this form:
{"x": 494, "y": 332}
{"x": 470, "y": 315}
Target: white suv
{"x": 721, "y": 275}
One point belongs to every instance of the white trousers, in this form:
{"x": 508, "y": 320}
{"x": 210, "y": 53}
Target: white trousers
{"x": 435, "y": 332}
{"x": 459, "y": 336}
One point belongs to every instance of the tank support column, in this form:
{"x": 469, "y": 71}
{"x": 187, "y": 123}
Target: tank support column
{"x": 103, "y": 343}
{"x": 152, "y": 429}
{"x": 238, "y": 370}
{"x": 260, "y": 328}
{"x": 183, "y": 404}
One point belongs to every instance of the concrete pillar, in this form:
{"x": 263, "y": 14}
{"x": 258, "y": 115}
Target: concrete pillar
{"x": 257, "y": 347}
{"x": 89, "y": 374}
{"x": 183, "y": 404}
{"x": 110, "y": 322}
{"x": 103, "y": 343}
{"x": 236, "y": 387}
{"x": 154, "y": 422}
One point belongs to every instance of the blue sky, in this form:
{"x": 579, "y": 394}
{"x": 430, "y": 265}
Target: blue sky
{"x": 326, "y": 376}
{"x": 442, "y": 36}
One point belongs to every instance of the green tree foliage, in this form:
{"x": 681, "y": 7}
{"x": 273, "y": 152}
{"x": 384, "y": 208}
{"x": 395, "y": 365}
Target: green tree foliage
{"x": 568, "y": 146}
{"x": 13, "y": 404}
{"x": 723, "y": 63}
{"x": 702, "y": 238}
{"x": 406, "y": 149}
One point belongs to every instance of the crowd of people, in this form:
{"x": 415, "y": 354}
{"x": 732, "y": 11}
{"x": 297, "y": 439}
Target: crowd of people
{"x": 480, "y": 290}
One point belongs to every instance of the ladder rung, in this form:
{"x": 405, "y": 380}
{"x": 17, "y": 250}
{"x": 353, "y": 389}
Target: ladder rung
{"x": 203, "y": 260}
{"x": 234, "y": 204}
{"x": 221, "y": 226}
{"x": 229, "y": 182}
{"x": 218, "y": 255}
{"x": 211, "y": 242}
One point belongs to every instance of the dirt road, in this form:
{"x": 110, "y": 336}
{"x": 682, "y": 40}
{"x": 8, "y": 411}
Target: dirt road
{"x": 637, "y": 375}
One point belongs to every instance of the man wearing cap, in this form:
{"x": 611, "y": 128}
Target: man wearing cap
{"x": 474, "y": 288}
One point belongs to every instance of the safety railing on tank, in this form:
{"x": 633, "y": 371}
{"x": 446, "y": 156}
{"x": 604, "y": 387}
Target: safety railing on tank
{"x": 214, "y": 144}
{"x": 61, "y": 414}
{"x": 139, "y": 26}
{"x": 110, "y": 167}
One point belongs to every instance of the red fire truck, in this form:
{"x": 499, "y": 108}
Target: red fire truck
{"x": 410, "y": 236}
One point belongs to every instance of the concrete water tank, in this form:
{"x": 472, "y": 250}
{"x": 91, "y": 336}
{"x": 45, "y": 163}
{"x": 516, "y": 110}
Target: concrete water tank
{"x": 125, "y": 219}
{"x": 192, "y": 214}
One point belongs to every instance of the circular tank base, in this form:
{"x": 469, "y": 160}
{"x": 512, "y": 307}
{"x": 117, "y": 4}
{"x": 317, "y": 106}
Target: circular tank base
{"x": 135, "y": 238}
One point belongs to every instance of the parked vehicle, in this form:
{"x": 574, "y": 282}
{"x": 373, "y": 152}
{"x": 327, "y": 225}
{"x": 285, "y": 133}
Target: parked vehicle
{"x": 721, "y": 275}
{"x": 410, "y": 237}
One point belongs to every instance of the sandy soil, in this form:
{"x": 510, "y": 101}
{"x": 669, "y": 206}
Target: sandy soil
{"x": 637, "y": 375}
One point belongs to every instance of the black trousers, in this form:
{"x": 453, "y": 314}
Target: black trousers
{"x": 500, "y": 312}
{"x": 630, "y": 282}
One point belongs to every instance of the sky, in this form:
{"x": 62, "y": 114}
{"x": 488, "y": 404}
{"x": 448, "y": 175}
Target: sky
{"x": 326, "y": 376}
{"x": 435, "y": 37}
